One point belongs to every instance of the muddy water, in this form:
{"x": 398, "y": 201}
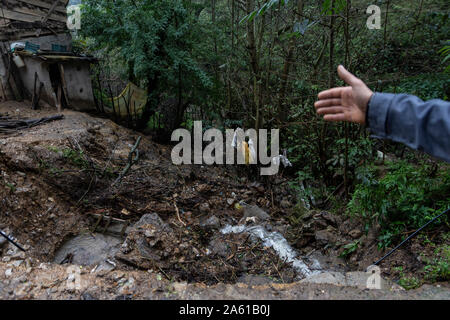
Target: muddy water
{"x": 89, "y": 250}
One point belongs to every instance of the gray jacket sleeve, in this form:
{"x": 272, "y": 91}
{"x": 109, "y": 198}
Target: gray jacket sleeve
{"x": 404, "y": 118}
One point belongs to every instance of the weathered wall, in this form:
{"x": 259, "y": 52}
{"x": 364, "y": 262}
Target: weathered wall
{"x": 79, "y": 85}
{"x": 22, "y": 18}
{"x": 78, "y": 81}
{"x": 27, "y": 75}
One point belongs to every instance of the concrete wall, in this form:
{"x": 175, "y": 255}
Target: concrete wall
{"x": 27, "y": 76}
{"x": 45, "y": 42}
{"x": 3, "y": 86}
{"x": 79, "y": 85}
{"x": 78, "y": 81}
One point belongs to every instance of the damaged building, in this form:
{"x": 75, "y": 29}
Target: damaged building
{"x": 37, "y": 62}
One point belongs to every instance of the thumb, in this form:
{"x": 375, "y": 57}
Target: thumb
{"x": 348, "y": 77}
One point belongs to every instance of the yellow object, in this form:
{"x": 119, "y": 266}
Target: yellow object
{"x": 133, "y": 97}
{"x": 237, "y": 206}
{"x": 248, "y": 153}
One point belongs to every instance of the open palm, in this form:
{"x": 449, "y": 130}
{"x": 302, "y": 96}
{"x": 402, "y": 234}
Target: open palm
{"x": 345, "y": 103}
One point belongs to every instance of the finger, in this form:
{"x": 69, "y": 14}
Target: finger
{"x": 331, "y": 110}
{"x": 327, "y": 103}
{"x": 331, "y": 93}
{"x": 348, "y": 77}
{"x": 335, "y": 117}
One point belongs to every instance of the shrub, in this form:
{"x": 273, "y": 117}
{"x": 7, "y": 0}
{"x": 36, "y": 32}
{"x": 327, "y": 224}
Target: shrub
{"x": 405, "y": 198}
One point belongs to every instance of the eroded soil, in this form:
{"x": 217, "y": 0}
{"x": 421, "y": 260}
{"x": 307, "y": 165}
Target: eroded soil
{"x": 57, "y": 179}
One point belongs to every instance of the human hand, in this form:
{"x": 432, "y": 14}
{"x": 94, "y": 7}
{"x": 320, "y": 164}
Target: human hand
{"x": 345, "y": 103}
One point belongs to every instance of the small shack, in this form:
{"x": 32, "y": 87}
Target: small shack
{"x": 36, "y": 61}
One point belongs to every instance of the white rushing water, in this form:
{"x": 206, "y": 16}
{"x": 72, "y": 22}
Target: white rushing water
{"x": 278, "y": 243}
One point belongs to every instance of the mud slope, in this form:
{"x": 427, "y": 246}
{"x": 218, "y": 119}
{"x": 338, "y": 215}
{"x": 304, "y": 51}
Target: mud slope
{"x": 58, "y": 186}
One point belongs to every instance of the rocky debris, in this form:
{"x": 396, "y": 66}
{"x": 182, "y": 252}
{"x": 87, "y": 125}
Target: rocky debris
{"x": 350, "y": 279}
{"x": 212, "y": 222}
{"x": 255, "y": 211}
{"x": 285, "y": 203}
{"x": 154, "y": 220}
{"x": 325, "y": 237}
{"x": 151, "y": 243}
{"x": 51, "y": 283}
{"x": 355, "y": 233}
{"x": 332, "y": 219}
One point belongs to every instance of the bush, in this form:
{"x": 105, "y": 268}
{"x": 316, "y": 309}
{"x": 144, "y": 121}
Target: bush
{"x": 405, "y": 198}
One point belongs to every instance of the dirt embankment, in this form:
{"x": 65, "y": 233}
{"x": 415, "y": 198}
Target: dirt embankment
{"x": 57, "y": 182}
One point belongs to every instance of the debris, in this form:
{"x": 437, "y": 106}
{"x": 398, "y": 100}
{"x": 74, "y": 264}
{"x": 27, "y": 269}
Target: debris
{"x": 276, "y": 241}
{"x": 131, "y": 161}
{"x": 9, "y": 126}
{"x": 355, "y": 234}
{"x": 255, "y": 211}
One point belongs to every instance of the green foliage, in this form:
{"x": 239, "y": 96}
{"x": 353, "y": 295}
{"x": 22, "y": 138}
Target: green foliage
{"x": 409, "y": 282}
{"x": 73, "y": 156}
{"x": 404, "y": 198}
{"x": 260, "y": 11}
{"x": 445, "y": 52}
{"x": 426, "y": 86}
{"x": 155, "y": 39}
{"x": 350, "y": 248}
{"x": 438, "y": 268}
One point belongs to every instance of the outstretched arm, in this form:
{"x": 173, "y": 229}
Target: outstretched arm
{"x": 399, "y": 117}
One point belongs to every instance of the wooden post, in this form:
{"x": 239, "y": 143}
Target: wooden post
{"x": 63, "y": 81}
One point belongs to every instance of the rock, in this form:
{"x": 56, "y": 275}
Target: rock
{"x": 87, "y": 296}
{"x": 219, "y": 247}
{"x": 330, "y": 218}
{"x": 8, "y": 272}
{"x": 17, "y": 263}
{"x": 230, "y": 201}
{"x": 204, "y": 207}
{"x": 3, "y": 242}
{"x": 285, "y": 204}
{"x": 203, "y": 188}
{"x": 255, "y": 211}
{"x": 212, "y": 221}
{"x": 155, "y": 221}
{"x": 355, "y": 233}
{"x": 324, "y": 237}
{"x": 334, "y": 278}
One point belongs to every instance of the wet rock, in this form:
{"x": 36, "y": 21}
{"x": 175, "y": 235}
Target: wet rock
{"x": 255, "y": 211}
{"x": 355, "y": 233}
{"x": 324, "y": 237}
{"x": 212, "y": 222}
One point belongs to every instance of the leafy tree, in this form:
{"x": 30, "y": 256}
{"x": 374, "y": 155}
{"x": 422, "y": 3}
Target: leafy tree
{"x": 156, "y": 38}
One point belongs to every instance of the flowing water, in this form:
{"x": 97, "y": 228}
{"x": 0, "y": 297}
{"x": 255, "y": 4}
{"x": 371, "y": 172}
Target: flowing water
{"x": 276, "y": 241}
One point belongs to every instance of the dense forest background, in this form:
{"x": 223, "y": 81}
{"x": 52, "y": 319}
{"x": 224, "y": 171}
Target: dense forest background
{"x": 261, "y": 64}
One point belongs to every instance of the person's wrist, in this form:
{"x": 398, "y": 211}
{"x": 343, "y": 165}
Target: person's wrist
{"x": 372, "y": 94}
